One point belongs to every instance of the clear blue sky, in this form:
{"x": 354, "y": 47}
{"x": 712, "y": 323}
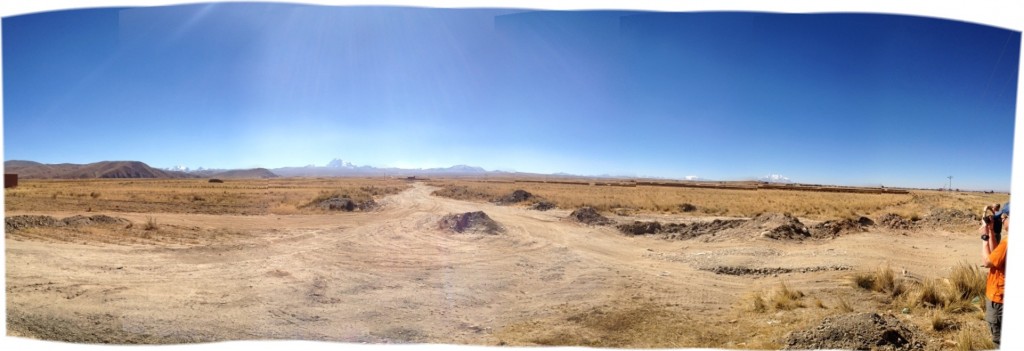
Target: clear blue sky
{"x": 859, "y": 99}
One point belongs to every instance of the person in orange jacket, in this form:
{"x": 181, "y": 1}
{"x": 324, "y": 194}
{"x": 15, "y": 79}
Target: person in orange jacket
{"x": 994, "y": 258}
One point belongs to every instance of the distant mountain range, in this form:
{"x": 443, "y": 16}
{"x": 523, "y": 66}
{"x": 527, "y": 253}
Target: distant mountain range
{"x": 136, "y": 169}
{"x": 339, "y": 169}
{"x": 104, "y": 169}
{"x": 119, "y": 169}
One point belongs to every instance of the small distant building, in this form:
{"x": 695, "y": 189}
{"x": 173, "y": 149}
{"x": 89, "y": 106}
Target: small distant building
{"x": 10, "y": 180}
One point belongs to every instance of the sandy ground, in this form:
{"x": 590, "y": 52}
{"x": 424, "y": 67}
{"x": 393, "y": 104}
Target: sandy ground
{"x": 391, "y": 276}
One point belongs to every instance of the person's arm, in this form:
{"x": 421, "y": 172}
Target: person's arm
{"x": 987, "y": 246}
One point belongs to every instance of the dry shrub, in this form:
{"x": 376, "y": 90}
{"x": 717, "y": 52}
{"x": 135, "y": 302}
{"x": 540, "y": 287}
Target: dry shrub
{"x": 967, "y": 281}
{"x": 931, "y": 294}
{"x": 960, "y": 306}
{"x": 974, "y": 338}
{"x": 782, "y": 298}
{"x": 864, "y": 281}
{"x": 941, "y": 322}
{"x": 882, "y": 280}
{"x": 758, "y": 303}
{"x": 151, "y": 224}
{"x": 844, "y": 306}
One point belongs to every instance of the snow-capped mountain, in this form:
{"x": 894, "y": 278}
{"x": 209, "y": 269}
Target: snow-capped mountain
{"x": 338, "y": 163}
{"x": 776, "y": 178}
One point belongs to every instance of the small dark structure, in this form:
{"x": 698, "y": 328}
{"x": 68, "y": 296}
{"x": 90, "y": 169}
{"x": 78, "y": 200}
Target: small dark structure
{"x": 215, "y": 180}
{"x": 10, "y": 180}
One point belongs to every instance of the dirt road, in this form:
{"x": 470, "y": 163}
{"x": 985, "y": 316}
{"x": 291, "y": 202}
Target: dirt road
{"x": 391, "y": 276}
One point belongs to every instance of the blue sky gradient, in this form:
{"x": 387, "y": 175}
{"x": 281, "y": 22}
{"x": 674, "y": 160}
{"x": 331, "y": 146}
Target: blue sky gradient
{"x": 856, "y": 99}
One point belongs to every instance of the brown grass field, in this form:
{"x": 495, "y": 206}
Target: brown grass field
{"x": 726, "y": 202}
{"x": 182, "y": 261}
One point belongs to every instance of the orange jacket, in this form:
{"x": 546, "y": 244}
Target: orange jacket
{"x": 997, "y": 273}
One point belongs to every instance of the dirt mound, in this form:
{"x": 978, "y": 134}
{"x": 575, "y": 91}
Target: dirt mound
{"x": 943, "y": 217}
{"x": 588, "y": 215}
{"x": 640, "y": 228}
{"x": 516, "y": 196}
{"x": 13, "y": 223}
{"x": 474, "y": 222}
{"x": 97, "y": 219}
{"x": 338, "y": 204}
{"x": 683, "y": 231}
{"x": 22, "y": 222}
{"x": 368, "y": 205}
{"x": 895, "y": 221}
{"x": 778, "y": 226}
{"x": 542, "y": 206}
{"x": 835, "y": 228}
{"x": 771, "y": 271}
{"x": 346, "y": 204}
{"x": 857, "y": 331}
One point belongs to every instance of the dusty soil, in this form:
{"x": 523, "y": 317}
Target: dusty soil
{"x": 392, "y": 276}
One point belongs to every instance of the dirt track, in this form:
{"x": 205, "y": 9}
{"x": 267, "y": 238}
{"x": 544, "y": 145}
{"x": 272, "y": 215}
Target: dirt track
{"x": 392, "y": 276}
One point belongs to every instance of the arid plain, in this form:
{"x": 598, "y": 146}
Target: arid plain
{"x": 369, "y": 260}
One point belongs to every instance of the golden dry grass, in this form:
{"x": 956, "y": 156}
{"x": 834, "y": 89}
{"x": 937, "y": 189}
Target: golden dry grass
{"x": 947, "y": 308}
{"x": 725, "y": 202}
{"x": 246, "y": 197}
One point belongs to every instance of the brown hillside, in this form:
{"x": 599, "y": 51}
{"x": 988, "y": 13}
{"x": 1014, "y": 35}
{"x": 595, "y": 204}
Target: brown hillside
{"x": 104, "y": 169}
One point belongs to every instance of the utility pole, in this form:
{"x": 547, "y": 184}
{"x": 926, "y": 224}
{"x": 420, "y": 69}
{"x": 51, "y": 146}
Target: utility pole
{"x": 950, "y": 183}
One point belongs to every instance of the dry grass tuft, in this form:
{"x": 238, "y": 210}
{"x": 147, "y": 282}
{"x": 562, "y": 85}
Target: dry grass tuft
{"x": 882, "y": 280}
{"x": 974, "y": 338}
{"x": 941, "y": 322}
{"x": 930, "y": 293}
{"x": 151, "y": 224}
{"x": 844, "y": 306}
{"x": 864, "y": 281}
{"x": 758, "y": 303}
{"x": 967, "y": 281}
{"x": 782, "y": 298}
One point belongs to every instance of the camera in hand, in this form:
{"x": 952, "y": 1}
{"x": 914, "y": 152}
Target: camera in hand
{"x": 984, "y": 237}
